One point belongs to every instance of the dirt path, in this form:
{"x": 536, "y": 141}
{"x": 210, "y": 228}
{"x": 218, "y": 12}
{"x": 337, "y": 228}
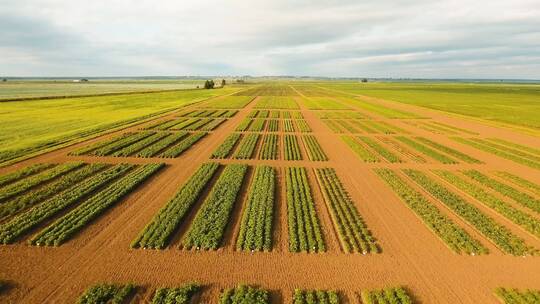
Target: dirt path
{"x": 411, "y": 254}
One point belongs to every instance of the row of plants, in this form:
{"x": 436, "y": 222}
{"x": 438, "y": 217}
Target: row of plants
{"x": 22, "y": 173}
{"x": 244, "y": 294}
{"x": 31, "y": 198}
{"x": 288, "y": 125}
{"x": 224, "y": 150}
{"x": 305, "y": 233}
{"x": 517, "y": 296}
{"x": 168, "y": 124}
{"x": 210, "y": 113}
{"x": 107, "y": 293}
{"x": 257, "y": 125}
{"x": 209, "y": 225}
{"x": 159, "y": 231}
{"x": 426, "y": 150}
{"x": 212, "y": 124}
{"x": 399, "y": 147}
{"x": 195, "y": 124}
{"x": 454, "y": 128}
{"x": 513, "y": 148}
{"x": 270, "y": 147}
{"x": 183, "y": 145}
{"x": 17, "y": 188}
{"x": 504, "y": 154}
{"x": 340, "y": 115}
{"x": 244, "y": 124}
{"x": 316, "y": 297}
{"x": 389, "y": 295}
{"x": 35, "y": 216}
{"x": 323, "y": 103}
{"x": 501, "y": 236}
{"x": 386, "y": 128}
{"x": 360, "y": 150}
{"x": 178, "y": 295}
{"x": 303, "y": 126}
{"x": 292, "y": 148}
{"x": 333, "y": 126}
{"x": 246, "y": 148}
{"x": 114, "y": 144}
{"x": 519, "y": 181}
{"x": 506, "y": 143}
{"x": 452, "y": 234}
{"x": 75, "y": 220}
{"x": 459, "y": 155}
{"x": 352, "y": 230}
{"x": 140, "y": 145}
{"x": 256, "y": 224}
{"x": 228, "y": 102}
{"x": 273, "y": 125}
{"x": 276, "y": 102}
{"x": 520, "y": 197}
{"x": 380, "y": 149}
{"x": 517, "y": 216}
{"x": 314, "y": 149}
{"x": 346, "y": 126}
{"x": 161, "y": 145}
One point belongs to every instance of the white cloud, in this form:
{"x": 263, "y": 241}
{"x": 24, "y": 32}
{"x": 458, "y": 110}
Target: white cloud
{"x": 406, "y": 38}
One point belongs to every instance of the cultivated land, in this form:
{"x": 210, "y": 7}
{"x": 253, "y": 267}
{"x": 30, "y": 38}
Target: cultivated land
{"x": 271, "y": 193}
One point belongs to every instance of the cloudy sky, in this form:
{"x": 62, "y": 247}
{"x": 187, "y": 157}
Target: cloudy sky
{"x": 399, "y": 38}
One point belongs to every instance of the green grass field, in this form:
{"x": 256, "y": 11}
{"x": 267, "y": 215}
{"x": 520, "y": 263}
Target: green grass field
{"x": 29, "y": 126}
{"x": 516, "y": 104}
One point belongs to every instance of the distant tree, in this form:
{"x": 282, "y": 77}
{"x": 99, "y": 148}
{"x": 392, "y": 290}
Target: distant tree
{"x": 240, "y": 80}
{"x": 364, "y": 79}
{"x": 4, "y": 80}
{"x": 209, "y": 84}
{"x": 223, "y": 82}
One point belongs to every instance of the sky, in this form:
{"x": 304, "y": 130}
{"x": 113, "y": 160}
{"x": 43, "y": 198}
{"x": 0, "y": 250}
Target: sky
{"x": 332, "y": 38}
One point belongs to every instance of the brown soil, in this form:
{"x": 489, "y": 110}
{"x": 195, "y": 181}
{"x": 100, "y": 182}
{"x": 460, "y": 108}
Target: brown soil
{"x": 411, "y": 256}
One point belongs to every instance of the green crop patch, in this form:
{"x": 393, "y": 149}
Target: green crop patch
{"x": 107, "y": 293}
{"x": 314, "y": 149}
{"x": 228, "y": 102}
{"x": 526, "y": 184}
{"x": 270, "y": 147}
{"x": 363, "y": 153}
{"x": 178, "y": 295}
{"x": 394, "y": 295}
{"x": 380, "y": 149}
{"x": 273, "y": 102}
{"x": 292, "y": 148}
{"x": 305, "y": 233}
{"x": 517, "y": 296}
{"x": 316, "y": 297}
{"x": 268, "y": 90}
{"x": 426, "y": 150}
{"x": 246, "y": 147}
{"x": 324, "y": 103}
{"x": 244, "y": 294}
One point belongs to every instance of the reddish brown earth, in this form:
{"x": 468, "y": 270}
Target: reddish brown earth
{"x": 412, "y": 256}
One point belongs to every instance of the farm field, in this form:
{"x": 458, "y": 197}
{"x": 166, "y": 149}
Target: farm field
{"x": 271, "y": 192}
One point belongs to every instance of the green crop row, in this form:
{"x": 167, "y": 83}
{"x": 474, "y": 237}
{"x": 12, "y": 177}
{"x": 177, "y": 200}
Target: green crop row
{"x": 244, "y": 295}
{"x": 517, "y": 216}
{"x": 209, "y": 225}
{"x": 395, "y": 295}
{"x": 183, "y": 145}
{"x": 464, "y": 157}
{"x": 292, "y": 148}
{"x": 209, "y": 113}
{"x": 159, "y": 231}
{"x": 522, "y": 198}
{"x": 520, "y": 181}
{"x": 288, "y": 125}
{"x": 212, "y": 124}
{"x": 243, "y": 126}
{"x": 273, "y": 125}
{"x": 75, "y": 220}
{"x": 246, "y": 148}
{"x": 274, "y": 102}
{"x": 179, "y": 295}
{"x": 38, "y": 179}
{"x": 363, "y": 126}
{"x": 314, "y": 149}
{"x": 305, "y": 233}
{"x": 113, "y": 145}
{"x": 37, "y": 196}
{"x": 340, "y": 115}
{"x": 403, "y": 150}
{"x": 257, "y": 125}
{"x": 381, "y": 150}
{"x": 521, "y": 148}
{"x": 161, "y": 145}
{"x": 475, "y": 143}
{"x": 323, "y": 103}
{"x": 107, "y": 293}
{"x": 454, "y": 236}
{"x": 24, "y": 222}
{"x": 347, "y": 126}
{"x": 228, "y": 102}
{"x": 360, "y": 150}
{"x": 454, "y": 128}
{"x": 274, "y": 114}
{"x": 353, "y": 232}
{"x": 426, "y": 150}
{"x": 498, "y": 234}
{"x": 516, "y": 296}
{"x": 315, "y": 297}
{"x": 333, "y": 126}
{"x": 140, "y": 145}
{"x": 269, "y": 148}
{"x": 303, "y": 126}
{"x": 22, "y": 173}
{"x": 256, "y": 224}
{"x": 225, "y": 149}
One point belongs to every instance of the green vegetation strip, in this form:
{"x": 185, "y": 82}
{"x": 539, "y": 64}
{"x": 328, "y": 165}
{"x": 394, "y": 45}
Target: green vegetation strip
{"x": 518, "y": 196}
{"x": 352, "y": 230}
{"x": 140, "y": 145}
{"x": 380, "y": 149}
{"x": 158, "y": 232}
{"x": 32, "y": 198}
{"x": 315, "y": 297}
{"x": 162, "y": 144}
{"x": 314, "y": 149}
{"x": 179, "y": 295}
{"x": 243, "y": 126}
{"x": 517, "y": 216}
{"x": 360, "y": 150}
{"x": 520, "y": 181}
{"x": 497, "y": 233}
{"x": 183, "y": 145}
{"x": 246, "y": 149}
{"x": 528, "y": 149}
{"x": 464, "y": 157}
{"x": 244, "y": 295}
{"x": 516, "y": 296}
{"x": 37, "y": 215}
{"x": 257, "y": 125}
{"x": 288, "y": 125}
{"x": 41, "y": 178}
{"x": 273, "y": 125}
{"x": 292, "y": 148}
{"x": 22, "y": 173}
{"x": 107, "y": 293}
{"x": 305, "y": 233}
{"x": 426, "y": 150}
{"x": 74, "y": 221}
{"x": 225, "y": 149}
{"x": 393, "y": 295}
{"x": 256, "y": 225}
{"x": 114, "y": 144}
{"x": 209, "y": 225}
{"x": 452, "y": 234}
{"x": 303, "y": 126}
{"x": 269, "y": 148}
